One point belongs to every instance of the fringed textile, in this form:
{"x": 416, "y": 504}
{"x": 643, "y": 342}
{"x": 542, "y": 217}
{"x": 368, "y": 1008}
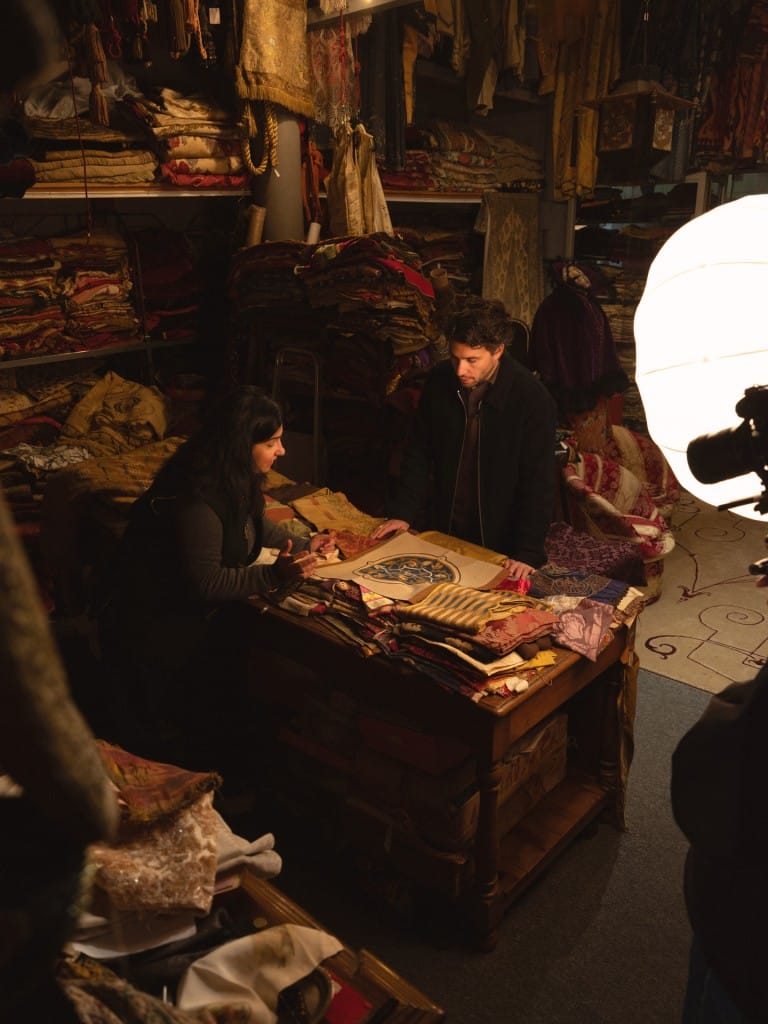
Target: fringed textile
{"x": 273, "y": 64}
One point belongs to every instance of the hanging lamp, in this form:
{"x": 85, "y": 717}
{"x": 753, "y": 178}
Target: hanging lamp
{"x": 636, "y": 120}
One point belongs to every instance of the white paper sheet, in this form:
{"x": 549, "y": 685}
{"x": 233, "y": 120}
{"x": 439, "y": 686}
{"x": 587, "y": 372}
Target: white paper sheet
{"x": 403, "y": 566}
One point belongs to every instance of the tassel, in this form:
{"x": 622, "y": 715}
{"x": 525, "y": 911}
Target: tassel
{"x": 97, "y": 106}
{"x": 97, "y": 72}
{"x": 179, "y": 36}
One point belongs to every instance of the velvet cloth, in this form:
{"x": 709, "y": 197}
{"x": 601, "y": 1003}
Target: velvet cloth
{"x": 572, "y": 349}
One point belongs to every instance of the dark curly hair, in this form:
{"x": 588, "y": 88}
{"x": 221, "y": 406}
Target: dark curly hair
{"x": 217, "y": 458}
{"x": 480, "y": 323}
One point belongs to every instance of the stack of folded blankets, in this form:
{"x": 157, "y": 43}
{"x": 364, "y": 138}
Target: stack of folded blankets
{"x": 463, "y": 160}
{"x": 96, "y": 283}
{"x": 197, "y": 141}
{"x": 378, "y": 289}
{"x": 33, "y": 318}
{"x": 74, "y": 149}
{"x": 450, "y": 157}
{"x": 66, "y": 293}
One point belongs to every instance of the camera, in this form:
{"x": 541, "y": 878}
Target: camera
{"x": 736, "y": 450}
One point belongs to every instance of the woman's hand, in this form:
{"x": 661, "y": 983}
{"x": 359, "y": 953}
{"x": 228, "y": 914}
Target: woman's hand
{"x": 294, "y": 568}
{"x": 389, "y": 526}
{"x": 323, "y": 543}
{"x": 517, "y": 570}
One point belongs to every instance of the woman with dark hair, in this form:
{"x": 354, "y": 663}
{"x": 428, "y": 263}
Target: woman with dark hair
{"x": 175, "y": 630}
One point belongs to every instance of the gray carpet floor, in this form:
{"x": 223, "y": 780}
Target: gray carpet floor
{"x": 601, "y": 938}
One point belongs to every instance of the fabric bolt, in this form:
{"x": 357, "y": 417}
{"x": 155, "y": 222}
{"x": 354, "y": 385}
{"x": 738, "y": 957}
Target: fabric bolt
{"x": 148, "y": 791}
{"x": 99, "y": 996}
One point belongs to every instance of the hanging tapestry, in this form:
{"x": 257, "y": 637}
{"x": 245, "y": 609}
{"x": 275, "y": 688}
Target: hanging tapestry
{"x": 273, "y": 63}
{"x": 511, "y": 260}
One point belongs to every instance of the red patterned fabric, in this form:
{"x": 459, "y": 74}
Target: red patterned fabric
{"x": 610, "y": 502}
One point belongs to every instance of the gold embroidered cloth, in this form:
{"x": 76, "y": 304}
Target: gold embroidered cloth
{"x": 273, "y": 64}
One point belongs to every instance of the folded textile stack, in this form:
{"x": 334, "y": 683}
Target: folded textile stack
{"x": 197, "y": 140}
{"x": 415, "y": 175}
{"x": 98, "y": 166}
{"x": 33, "y": 312}
{"x": 95, "y": 280}
{"x": 69, "y": 148}
{"x": 462, "y": 160}
{"x": 378, "y": 288}
{"x": 518, "y": 167}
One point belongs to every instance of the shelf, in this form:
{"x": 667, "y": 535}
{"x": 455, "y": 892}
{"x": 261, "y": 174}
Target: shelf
{"x": 444, "y": 198}
{"x": 91, "y": 353}
{"x": 76, "y": 190}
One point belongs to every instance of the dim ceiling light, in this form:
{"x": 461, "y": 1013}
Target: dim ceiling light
{"x": 701, "y": 332}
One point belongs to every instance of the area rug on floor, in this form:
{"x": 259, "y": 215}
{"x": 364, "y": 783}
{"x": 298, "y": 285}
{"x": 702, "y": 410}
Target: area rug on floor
{"x": 709, "y": 627}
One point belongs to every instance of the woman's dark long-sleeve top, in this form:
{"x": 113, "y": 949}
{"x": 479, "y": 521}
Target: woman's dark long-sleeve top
{"x": 719, "y": 780}
{"x": 182, "y": 559}
{"x": 516, "y": 460}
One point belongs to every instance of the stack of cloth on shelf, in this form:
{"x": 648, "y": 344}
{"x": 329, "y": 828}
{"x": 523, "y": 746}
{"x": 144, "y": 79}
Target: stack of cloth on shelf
{"x": 450, "y": 157}
{"x": 416, "y": 174}
{"x": 442, "y": 249}
{"x": 462, "y": 160}
{"x": 72, "y": 148}
{"x": 171, "y": 283}
{"x": 66, "y": 293}
{"x": 97, "y": 287}
{"x": 197, "y": 140}
{"x": 377, "y": 286}
{"x": 262, "y": 276}
{"x": 34, "y": 317}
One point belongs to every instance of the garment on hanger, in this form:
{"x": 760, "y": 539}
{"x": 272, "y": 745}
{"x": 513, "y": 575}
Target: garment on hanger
{"x": 572, "y": 345}
{"x": 356, "y": 203}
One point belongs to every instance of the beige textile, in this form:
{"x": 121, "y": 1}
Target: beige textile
{"x": 115, "y": 415}
{"x": 464, "y": 608}
{"x": 512, "y": 266}
{"x": 356, "y": 203}
{"x": 167, "y": 866}
{"x": 273, "y": 64}
{"x": 332, "y": 510}
{"x": 252, "y": 971}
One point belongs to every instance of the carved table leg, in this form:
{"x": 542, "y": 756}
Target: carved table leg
{"x": 485, "y": 912}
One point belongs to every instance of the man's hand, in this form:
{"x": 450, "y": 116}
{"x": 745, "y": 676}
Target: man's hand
{"x": 517, "y": 570}
{"x": 388, "y": 527}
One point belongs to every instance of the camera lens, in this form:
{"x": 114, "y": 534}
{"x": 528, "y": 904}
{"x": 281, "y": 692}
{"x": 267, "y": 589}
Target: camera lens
{"x": 721, "y": 456}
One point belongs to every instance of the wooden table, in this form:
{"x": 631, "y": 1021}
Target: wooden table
{"x": 599, "y": 697}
